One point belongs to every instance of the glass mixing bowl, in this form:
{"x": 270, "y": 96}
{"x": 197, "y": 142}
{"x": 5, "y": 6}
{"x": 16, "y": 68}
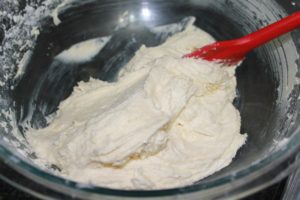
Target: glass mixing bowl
{"x": 32, "y": 86}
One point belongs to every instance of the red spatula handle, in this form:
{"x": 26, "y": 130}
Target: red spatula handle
{"x": 272, "y": 31}
{"x": 231, "y": 52}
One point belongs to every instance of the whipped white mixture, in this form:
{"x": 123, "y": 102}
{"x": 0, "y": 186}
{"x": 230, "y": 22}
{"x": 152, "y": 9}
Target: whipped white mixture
{"x": 166, "y": 122}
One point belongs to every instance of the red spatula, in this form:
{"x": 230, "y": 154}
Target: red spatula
{"x": 232, "y": 52}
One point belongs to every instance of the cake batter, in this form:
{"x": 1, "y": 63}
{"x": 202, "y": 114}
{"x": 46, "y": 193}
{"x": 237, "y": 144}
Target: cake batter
{"x": 167, "y": 122}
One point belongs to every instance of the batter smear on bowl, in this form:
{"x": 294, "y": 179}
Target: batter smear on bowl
{"x": 167, "y": 122}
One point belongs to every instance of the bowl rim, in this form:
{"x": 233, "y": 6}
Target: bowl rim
{"x": 247, "y": 175}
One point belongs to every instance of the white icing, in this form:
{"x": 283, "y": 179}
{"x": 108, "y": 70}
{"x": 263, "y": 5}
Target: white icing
{"x": 83, "y": 51}
{"x": 35, "y": 31}
{"x": 23, "y": 63}
{"x": 166, "y": 122}
{"x": 55, "y": 12}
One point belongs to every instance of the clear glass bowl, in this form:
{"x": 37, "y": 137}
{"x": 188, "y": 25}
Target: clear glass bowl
{"x": 267, "y": 90}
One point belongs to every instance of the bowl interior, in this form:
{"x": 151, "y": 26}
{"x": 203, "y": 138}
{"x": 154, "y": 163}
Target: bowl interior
{"x": 265, "y": 79}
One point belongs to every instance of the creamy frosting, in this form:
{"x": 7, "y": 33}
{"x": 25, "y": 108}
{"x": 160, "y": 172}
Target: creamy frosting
{"x": 167, "y": 122}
